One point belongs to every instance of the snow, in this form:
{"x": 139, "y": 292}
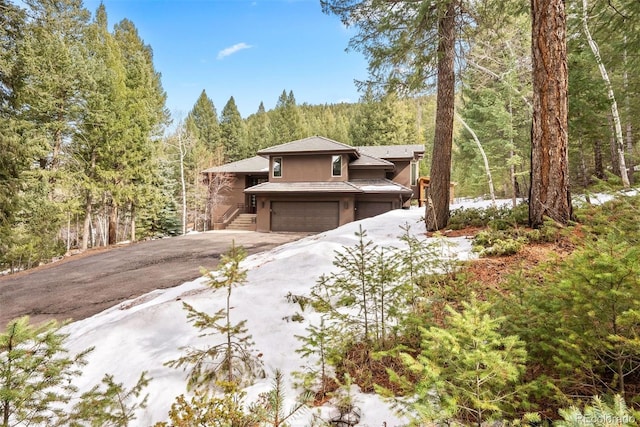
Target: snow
{"x": 144, "y": 333}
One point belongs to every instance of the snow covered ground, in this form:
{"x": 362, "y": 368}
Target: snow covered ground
{"x": 144, "y": 333}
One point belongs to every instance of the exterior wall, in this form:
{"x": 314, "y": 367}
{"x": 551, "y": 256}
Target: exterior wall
{"x": 367, "y": 174}
{"x": 308, "y": 168}
{"x": 263, "y": 218}
{"x": 402, "y": 174}
{"x": 233, "y": 197}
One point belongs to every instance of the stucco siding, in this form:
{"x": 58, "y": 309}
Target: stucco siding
{"x": 309, "y": 169}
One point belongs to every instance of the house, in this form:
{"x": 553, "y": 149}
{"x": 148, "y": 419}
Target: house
{"x": 316, "y": 184}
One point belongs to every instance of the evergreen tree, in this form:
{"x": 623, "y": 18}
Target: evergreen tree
{"x": 103, "y": 127}
{"x": 259, "y": 130}
{"x": 286, "y": 120}
{"x": 50, "y": 98}
{"x": 466, "y": 371}
{"x": 497, "y": 107}
{"x": 384, "y": 121}
{"x": 135, "y": 179}
{"x": 13, "y": 155}
{"x": 360, "y": 297}
{"x": 230, "y": 361}
{"x": 233, "y": 133}
{"x": 204, "y": 119}
{"x": 35, "y": 373}
{"x": 110, "y": 403}
{"x": 549, "y": 193}
{"x": 405, "y": 42}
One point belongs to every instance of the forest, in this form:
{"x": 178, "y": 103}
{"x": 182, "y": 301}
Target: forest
{"x": 90, "y": 155}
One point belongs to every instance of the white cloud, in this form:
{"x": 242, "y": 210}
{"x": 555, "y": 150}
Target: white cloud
{"x": 233, "y": 49}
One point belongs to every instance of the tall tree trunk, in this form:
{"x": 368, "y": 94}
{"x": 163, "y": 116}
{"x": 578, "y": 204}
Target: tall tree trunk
{"x": 597, "y": 159}
{"x": 549, "y": 194}
{"x": 615, "y": 115}
{"x": 183, "y": 183}
{"x": 627, "y": 107}
{"x": 437, "y": 206}
{"x": 512, "y": 166}
{"x": 615, "y": 160}
{"x": 86, "y": 228}
{"x": 133, "y": 222}
{"x": 113, "y": 224}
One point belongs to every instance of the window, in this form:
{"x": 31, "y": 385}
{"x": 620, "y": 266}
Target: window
{"x": 414, "y": 173}
{"x": 336, "y": 166}
{"x": 277, "y": 167}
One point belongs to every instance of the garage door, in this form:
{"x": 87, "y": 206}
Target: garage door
{"x": 304, "y": 216}
{"x": 369, "y": 209}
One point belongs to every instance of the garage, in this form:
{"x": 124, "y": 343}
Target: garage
{"x": 304, "y": 216}
{"x": 369, "y": 209}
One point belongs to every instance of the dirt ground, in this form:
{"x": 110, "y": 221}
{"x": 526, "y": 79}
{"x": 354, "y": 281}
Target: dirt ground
{"x": 83, "y": 285}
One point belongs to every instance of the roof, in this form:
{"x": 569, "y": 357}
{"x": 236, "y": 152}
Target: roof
{"x": 387, "y": 152}
{"x": 256, "y": 164}
{"x": 380, "y": 186}
{"x": 311, "y": 145}
{"x": 304, "y": 187}
{"x": 369, "y": 162}
{"x": 358, "y": 186}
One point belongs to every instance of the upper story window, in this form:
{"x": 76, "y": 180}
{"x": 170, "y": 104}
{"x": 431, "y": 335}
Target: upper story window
{"x": 336, "y": 165}
{"x": 277, "y": 167}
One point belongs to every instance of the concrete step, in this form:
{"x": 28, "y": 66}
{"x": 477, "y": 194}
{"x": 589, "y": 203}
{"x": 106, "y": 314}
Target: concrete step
{"x": 243, "y": 222}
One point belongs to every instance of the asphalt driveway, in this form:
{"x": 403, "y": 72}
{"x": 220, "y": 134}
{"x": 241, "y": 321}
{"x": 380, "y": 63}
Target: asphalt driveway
{"x": 83, "y": 285}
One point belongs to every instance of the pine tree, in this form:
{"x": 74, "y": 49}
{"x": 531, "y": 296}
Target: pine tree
{"x": 135, "y": 179}
{"x": 233, "y": 133}
{"x": 109, "y": 403}
{"x": 467, "y": 371}
{"x": 102, "y": 127}
{"x": 51, "y": 98}
{"x": 549, "y": 194}
{"x": 204, "y": 119}
{"x": 359, "y": 297}
{"x": 286, "y": 120}
{"x": 269, "y": 409}
{"x": 35, "y": 372}
{"x": 231, "y": 360}
{"x": 259, "y": 130}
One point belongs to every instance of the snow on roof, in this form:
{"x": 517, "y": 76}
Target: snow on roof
{"x": 387, "y": 152}
{"x": 256, "y": 164}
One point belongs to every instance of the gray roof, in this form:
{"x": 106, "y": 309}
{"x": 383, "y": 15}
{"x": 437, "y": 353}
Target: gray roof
{"x": 313, "y": 144}
{"x": 358, "y": 186}
{"x": 304, "y": 187}
{"x": 369, "y": 162}
{"x": 393, "y": 151}
{"x": 380, "y": 186}
{"x": 256, "y": 164}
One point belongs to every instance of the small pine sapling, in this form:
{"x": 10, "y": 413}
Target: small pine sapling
{"x": 232, "y": 359}
{"x": 466, "y": 371}
{"x": 600, "y": 413}
{"x": 113, "y": 406}
{"x": 358, "y": 296}
{"x": 269, "y": 409}
{"x": 318, "y": 344}
{"x": 205, "y": 409}
{"x": 35, "y": 373}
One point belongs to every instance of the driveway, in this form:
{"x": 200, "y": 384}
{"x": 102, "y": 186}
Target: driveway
{"x": 83, "y": 285}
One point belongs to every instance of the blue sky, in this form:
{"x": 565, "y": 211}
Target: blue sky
{"x": 250, "y": 50}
